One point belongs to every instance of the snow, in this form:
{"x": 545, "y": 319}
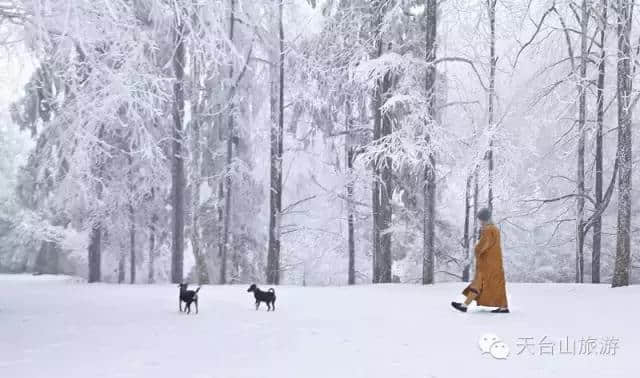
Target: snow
{"x": 8, "y": 279}
{"x": 61, "y": 327}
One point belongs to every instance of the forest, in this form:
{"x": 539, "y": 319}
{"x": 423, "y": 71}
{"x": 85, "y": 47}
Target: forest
{"x": 318, "y": 142}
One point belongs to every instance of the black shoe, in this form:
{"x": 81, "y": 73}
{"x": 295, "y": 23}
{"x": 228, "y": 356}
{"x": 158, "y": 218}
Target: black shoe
{"x": 459, "y": 306}
{"x": 501, "y": 311}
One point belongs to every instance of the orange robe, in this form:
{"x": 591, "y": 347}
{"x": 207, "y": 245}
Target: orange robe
{"x": 489, "y": 281}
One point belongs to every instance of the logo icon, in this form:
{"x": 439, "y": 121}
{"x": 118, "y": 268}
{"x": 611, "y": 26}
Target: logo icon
{"x": 492, "y": 344}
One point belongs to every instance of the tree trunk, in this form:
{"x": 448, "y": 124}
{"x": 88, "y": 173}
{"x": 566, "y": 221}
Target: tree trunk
{"x": 375, "y": 210}
{"x": 429, "y": 194}
{"x": 202, "y": 270}
{"x": 95, "y": 239}
{"x": 152, "y": 246}
{"x": 475, "y": 229}
{"x": 582, "y": 109}
{"x": 177, "y": 178}
{"x": 228, "y": 182}
{"x": 428, "y": 266}
{"x": 476, "y": 193}
{"x": 375, "y": 188}
{"x": 491, "y": 10}
{"x": 132, "y": 245}
{"x": 277, "y": 128}
{"x": 196, "y": 183}
{"x": 382, "y": 184}
{"x": 121, "y": 268}
{"x": 132, "y": 224}
{"x": 381, "y": 193}
{"x": 351, "y": 247}
{"x": 466, "y": 237}
{"x": 386, "y": 192}
{"x": 94, "y": 253}
{"x": 623, "y": 238}
{"x": 47, "y": 259}
{"x": 152, "y": 240}
{"x": 220, "y": 224}
{"x": 597, "y": 222}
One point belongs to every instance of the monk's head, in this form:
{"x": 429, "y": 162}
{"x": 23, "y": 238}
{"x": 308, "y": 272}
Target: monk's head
{"x": 484, "y": 216}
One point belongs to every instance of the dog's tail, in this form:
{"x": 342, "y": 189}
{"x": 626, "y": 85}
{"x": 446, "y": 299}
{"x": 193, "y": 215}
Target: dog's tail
{"x": 271, "y": 290}
{"x": 198, "y": 289}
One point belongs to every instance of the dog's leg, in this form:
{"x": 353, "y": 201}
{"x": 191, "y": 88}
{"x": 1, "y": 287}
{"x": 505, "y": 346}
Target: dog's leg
{"x": 180, "y": 304}
{"x": 257, "y": 305}
{"x": 196, "y": 301}
{"x": 273, "y": 305}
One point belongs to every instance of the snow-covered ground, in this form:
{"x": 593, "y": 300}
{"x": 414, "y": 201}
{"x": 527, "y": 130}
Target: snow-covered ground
{"x": 60, "y": 327}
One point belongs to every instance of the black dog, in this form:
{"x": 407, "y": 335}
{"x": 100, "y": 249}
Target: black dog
{"x": 268, "y": 297}
{"x": 188, "y": 297}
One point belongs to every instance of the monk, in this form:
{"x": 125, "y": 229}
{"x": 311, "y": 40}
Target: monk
{"x": 488, "y": 285}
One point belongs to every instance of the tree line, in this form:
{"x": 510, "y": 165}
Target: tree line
{"x": 150, "y": 119}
